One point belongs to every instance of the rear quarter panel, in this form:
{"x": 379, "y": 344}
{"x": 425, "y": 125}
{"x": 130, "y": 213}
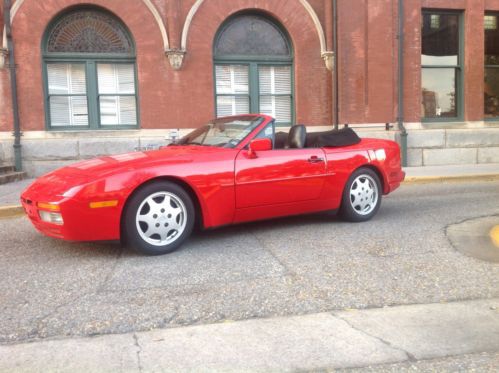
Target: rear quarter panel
{"x": 343, "y": 161}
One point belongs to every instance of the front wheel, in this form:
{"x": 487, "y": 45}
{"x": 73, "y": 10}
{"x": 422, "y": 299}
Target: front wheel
{"x": 362, "y": 196}
{"x": 158, "y": 218}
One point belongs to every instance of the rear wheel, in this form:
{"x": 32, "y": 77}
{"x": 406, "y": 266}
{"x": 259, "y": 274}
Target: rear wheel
{"x": 158, "y": 218}
{"x": 362, "y": 196}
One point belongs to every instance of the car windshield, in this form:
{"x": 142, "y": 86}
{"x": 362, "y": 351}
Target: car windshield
{"x": 223, "y": 132}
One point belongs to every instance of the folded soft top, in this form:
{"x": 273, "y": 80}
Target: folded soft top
{"x": 334, "y": 138}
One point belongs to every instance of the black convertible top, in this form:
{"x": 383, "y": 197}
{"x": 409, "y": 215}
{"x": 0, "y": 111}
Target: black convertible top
{"x": 334, "y": 138}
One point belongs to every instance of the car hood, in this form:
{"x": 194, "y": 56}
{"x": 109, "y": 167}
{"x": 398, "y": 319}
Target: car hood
{"x": 103, "y": 166}
{"x": 66, "y": 180}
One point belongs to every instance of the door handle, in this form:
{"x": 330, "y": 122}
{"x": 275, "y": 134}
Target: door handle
{"x": 315, "y": 159}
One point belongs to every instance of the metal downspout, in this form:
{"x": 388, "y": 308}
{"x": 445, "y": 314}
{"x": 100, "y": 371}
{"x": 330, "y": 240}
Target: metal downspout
{"x": 13, "y": 86}
{"x": 336, "y": 111}
{"x": 400, "y": 115}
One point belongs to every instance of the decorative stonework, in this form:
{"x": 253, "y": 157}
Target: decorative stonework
{"x": 176, "y": 57}
{"x": 89, "y": 31}
{"x": 4, "y": 55}
{"x": 328, "y": 58}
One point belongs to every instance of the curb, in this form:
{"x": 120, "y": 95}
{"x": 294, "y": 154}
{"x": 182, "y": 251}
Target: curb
{"x": 451, "y": 178}
{"x": 11, "y": 211}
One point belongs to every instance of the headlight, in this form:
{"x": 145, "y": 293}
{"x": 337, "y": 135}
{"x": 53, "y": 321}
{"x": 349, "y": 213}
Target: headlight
{"x": 51, "y": 217}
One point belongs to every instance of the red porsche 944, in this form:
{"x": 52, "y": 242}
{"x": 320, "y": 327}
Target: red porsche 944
{"x": 231, "y": 170}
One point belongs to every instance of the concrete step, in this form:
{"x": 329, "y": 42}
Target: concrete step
{"x": 6, "y": 169}
{"x": 11, "y": 176}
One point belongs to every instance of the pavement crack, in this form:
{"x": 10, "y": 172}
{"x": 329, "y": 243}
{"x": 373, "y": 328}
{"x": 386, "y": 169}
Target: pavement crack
{"x": 410, "y": 357}
{"x": 110, "y": 273}
{"x": 139, "y": 350}
{"x": 271, "y": 252}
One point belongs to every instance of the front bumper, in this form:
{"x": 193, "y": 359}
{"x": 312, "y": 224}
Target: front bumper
{"x": 81, "y": 223}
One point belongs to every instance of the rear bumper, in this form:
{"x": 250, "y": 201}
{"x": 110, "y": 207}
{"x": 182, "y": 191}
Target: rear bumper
{"x": 395, "y": 179}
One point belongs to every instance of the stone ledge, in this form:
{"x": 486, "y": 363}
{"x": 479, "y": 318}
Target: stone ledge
{"x": 49, "y": 149}
{"x": 472, "y": 138}
{"x": 414, "y": 157}
{"x": 426, "y": 139}
{"x": 440, "y": 157}
{"x": 488, "y": 155}
{"x": 90, "y": 148}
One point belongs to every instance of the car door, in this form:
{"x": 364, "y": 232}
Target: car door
{"x": 281, "y": 176}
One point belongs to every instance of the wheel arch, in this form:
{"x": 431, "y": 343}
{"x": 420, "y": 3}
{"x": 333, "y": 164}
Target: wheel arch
{"x": 379, "y": 173}
{"x": 199, "y": 218}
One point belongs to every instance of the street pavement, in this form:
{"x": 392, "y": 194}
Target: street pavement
{"x": 295, "y": 266}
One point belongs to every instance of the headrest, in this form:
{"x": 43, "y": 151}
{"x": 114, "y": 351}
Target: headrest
{"x": 297, "y": 136}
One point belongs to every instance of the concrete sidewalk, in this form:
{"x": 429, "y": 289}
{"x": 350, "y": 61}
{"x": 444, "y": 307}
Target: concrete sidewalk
{"x": 9, "y": 193}
{"x": 343, "y": 339}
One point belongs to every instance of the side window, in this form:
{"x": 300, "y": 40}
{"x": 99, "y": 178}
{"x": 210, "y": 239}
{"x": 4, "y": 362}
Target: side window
{"x": 267, "y": 132}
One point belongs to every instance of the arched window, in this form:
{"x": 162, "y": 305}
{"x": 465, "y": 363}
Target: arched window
{"x": 253, "y": 62}
{"x": 90, "y": 75}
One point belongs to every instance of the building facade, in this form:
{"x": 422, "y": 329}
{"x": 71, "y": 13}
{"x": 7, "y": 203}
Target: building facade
{"x": 105, "y": 76}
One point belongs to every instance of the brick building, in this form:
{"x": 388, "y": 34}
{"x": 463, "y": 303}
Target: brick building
{"x": 106, "y": 76}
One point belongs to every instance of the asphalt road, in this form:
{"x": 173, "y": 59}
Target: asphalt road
{"x": 299, "y": 265}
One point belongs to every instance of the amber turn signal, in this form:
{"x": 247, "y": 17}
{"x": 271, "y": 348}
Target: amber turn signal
{"x": 48, "y": 206}
{"x": 97, "y": 205}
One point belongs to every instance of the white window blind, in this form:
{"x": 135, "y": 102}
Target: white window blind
{"x": 275, "y": 92}
{"x": 117, "y": 103}
{"x": 232, "y": 89}
{"x": 67, "y": 94}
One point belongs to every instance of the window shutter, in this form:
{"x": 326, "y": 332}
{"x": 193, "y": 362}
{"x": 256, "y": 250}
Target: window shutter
{"x": 79, "y": 110}
{"x": 116, "y": 78}
{"x": 78, "y": 81}
{"x": 108, "y": 110}
{"x": 275, "y": 92}
{"x": 59, "y": 111}
{"x": 282, "y": 80}
{"x": 232, "y": 105}
{"x": 67, "y": 94}
{"x": 128, "y": 114}
{"x": 106, "y": 79}
{"x": 232, "y": 79}
{"x": 66, "y": 78}
{"x": 117, "y": 94}
{"x": 232, "y": 85}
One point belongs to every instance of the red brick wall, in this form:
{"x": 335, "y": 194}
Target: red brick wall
{"x": 367, "y": 59}
{"x": 5, "y": 101}
{"x": 171, "y": 98}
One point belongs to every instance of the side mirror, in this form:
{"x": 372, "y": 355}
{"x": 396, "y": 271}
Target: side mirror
{"x": 259, "y": 145}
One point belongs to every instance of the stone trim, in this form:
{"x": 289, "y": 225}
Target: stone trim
{"x": 451, "y": 125}
{"x": 4, "y": 55}
{"x": 305, "y": 3}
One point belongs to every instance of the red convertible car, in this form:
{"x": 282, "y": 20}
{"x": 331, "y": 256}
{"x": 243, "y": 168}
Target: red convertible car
{"x": 231, "y": 170}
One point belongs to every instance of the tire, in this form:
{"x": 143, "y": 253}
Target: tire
{"x": 361, "y": 196}
{"x": 158, "y": 218}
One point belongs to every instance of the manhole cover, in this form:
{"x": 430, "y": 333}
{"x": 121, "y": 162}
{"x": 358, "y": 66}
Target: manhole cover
{"x": 478, "y": 238}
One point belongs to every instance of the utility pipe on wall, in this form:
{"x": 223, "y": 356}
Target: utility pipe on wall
{"x": 13, "y": 86}
{"x": 400, "y": 114}
{"x": 336, "y": 89}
